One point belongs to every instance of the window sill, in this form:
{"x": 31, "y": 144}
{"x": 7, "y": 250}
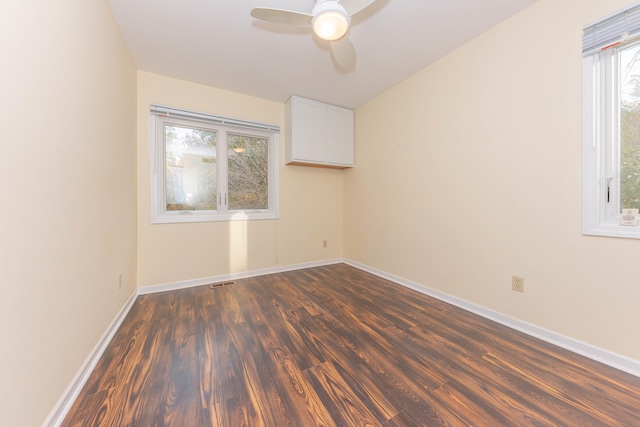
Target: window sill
{"x": 613, "y": 230}
{"x": 181, "y": 218}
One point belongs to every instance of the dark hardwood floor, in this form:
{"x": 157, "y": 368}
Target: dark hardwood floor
{"x": 335, "y": 346}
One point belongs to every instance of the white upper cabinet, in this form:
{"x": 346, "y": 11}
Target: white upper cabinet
{"x": 318, "y": 134}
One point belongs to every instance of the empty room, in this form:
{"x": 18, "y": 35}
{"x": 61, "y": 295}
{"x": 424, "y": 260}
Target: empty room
{"x": 320, "y": 213}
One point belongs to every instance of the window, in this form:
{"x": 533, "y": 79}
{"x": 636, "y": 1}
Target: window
{"x": 209, "y": 168}
{"x": 611, "y": 123}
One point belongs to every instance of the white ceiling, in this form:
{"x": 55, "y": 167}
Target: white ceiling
{"x": 218, "y": 43}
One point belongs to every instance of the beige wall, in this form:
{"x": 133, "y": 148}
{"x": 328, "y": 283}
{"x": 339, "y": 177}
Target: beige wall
{"x": 470, "y": 172}
{"x": 310, "y": 201}
{"x": 67, "y": 188}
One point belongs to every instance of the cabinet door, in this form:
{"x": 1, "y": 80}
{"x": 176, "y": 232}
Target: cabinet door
{"x": 339, "y": 136}
{"x": 309, "y": 130}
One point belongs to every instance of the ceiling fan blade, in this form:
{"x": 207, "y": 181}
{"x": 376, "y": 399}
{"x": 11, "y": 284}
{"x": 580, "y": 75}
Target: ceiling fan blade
{"x": 355, "y": 6}
{"x": 344, "y": 52}
{"x": 281, "y": 16}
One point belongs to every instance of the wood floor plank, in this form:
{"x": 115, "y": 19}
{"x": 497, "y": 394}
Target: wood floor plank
{"x": 338, "y": 397}
{"x": 335, "y": 346}
{"x": 365, "y": 382}
{"x": 236, "y": 388}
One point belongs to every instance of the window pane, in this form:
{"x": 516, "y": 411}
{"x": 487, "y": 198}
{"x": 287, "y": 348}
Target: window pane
{"x": 190, "y": 169}
{"x": 248, "y": 171}
{"x": 630, "y": 128}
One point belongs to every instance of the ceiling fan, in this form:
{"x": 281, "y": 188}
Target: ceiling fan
{"x": 329, "y": 19}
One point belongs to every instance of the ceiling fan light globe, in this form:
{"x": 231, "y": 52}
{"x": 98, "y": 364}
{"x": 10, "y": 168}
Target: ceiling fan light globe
{"x": 330, "y": 21}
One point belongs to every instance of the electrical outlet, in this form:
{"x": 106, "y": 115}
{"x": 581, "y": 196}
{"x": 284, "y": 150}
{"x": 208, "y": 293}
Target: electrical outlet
{"x": 324, "y": 243}
{"x": 517, "y": 283}
{"x": 119, "y": 280}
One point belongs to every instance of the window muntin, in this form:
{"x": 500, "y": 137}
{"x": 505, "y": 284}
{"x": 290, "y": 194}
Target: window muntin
{"x": 204, "y": 170}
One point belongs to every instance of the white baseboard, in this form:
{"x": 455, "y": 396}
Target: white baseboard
{"x": 233, "y": 276}
{"x": 60, "y": 410}
{"x": 606, "y": 357}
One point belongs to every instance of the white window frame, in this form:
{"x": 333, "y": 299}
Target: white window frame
{"x": 601, "y": 127}
{"x": 159, "y": 117}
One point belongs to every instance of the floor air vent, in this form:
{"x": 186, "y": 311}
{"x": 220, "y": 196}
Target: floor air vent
{"x": 221, "y": 284}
